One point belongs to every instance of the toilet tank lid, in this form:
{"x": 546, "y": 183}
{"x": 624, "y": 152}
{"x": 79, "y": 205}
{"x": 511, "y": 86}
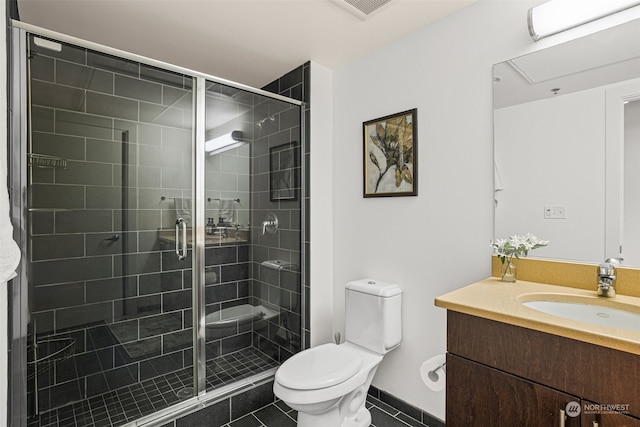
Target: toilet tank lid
{"x": 374, "y": 287}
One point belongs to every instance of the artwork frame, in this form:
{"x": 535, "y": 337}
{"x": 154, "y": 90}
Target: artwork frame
{"x": 398, "y": 159}
{"x": 284, "y": 172}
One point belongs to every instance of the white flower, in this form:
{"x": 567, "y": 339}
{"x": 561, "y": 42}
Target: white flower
{"x": 517, "y": 245}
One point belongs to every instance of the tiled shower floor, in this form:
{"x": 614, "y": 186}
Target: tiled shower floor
{"x": 130, "y": 403}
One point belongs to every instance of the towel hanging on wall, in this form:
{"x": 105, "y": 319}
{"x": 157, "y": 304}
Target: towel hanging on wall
{"x": 183, "y": 208}
{"x": 9, "y": 250}
{"x": 227, "y": 210}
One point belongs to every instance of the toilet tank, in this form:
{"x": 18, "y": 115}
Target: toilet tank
{"x": 373, "y": 312}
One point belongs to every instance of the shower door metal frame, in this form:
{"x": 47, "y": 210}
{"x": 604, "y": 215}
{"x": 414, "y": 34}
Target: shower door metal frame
{"x": 198, "y": 294}
{"x": 17, "y": 180}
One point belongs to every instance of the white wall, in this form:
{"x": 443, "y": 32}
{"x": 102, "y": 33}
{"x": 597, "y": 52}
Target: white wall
{"x": 321, "y": 205}
{"x": 551, "y": 153}
{"x": 438, "y": 241}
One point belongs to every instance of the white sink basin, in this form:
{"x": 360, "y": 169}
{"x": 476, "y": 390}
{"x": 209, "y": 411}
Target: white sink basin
{"x": 589, "y": 311}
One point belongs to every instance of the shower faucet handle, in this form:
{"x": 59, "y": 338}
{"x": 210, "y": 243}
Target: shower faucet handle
{"x": 270, "y": 224}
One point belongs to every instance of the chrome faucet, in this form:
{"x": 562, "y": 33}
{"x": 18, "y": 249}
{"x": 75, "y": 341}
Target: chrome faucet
{"x": 607, "y": 277}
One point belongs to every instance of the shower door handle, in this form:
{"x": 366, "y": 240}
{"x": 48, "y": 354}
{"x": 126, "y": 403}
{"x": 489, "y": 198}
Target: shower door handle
{"x": 181, "y": 251}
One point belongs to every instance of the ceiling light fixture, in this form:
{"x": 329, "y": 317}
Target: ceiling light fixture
{"x": 224, "y": 142}
{"x": 556, "y": 16}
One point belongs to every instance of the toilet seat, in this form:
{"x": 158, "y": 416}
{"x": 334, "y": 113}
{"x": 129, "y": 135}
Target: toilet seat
{"x": 370, "y": 361}
{"x": 319, "y": 367}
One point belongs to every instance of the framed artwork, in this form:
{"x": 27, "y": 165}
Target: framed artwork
{"x": 284, "y": 171}
{"x": 390, "y": 155}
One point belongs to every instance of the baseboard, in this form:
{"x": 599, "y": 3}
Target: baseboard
{"x": 406, "y": 408}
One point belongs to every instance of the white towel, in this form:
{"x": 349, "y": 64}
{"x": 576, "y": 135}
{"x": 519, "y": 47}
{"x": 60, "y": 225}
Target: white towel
{"x": 227, "y": 210}
{"x": 183, "y": 208}
{"x": 9, "y": 250}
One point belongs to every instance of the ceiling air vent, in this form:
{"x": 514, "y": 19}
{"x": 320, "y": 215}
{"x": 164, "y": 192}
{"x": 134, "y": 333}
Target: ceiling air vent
{"x": 363, "y": 9}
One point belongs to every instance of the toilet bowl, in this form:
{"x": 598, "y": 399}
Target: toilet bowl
{"x": 328, "y": 384}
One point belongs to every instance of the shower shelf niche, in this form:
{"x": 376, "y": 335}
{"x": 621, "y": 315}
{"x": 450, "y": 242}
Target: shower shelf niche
{"x": 45, "y": 161}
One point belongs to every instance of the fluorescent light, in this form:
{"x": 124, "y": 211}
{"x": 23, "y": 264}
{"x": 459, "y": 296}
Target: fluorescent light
{"x": 47, "y": 44}
{"x": 556, "y": 16}
{"x": 224, "y": 142}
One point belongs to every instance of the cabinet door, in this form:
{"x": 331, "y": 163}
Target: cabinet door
{"x": 480, "y": 396}
{"x": 591, "y": 417}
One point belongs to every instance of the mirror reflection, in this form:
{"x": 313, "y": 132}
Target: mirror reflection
{"x": 631, "y": 178}
{"x": 566, "y": 133}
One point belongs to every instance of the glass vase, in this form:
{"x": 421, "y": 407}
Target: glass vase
{"x": 508, "y": 271}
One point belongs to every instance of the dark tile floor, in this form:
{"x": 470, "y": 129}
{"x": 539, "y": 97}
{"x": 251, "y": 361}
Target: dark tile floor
{"x": 132, "y": 402}
{"x": 280, "y": 415}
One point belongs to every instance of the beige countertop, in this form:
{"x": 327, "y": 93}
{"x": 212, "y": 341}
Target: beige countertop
{"x": 496, "y": 300}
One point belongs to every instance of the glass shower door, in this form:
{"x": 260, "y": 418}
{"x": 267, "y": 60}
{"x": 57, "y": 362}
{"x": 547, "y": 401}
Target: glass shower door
{"x": 109, "y": 184}
{"x": 252, "y": 269}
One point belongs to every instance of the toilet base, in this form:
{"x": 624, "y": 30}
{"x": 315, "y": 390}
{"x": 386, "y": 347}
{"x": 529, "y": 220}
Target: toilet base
{"x": 327, "y": 419}
{"x": 362, "y": 419}
{"x": 349, "y": 411}
{"x": 332, "y": 417}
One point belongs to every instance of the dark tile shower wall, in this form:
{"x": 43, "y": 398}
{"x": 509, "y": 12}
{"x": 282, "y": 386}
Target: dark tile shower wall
{"x": 296, "y": 84}
{"x": 227, "y": 175}
{"x": 227, "y": 178}
{"x": 231, "y": 266}
{"x": 125, "y": 130}
{"x": 283, "y": 338}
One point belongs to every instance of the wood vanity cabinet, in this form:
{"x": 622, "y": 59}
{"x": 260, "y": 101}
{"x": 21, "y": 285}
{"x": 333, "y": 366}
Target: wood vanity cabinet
{"x": 481, "y": 396}
{"x": 499, "y": 375}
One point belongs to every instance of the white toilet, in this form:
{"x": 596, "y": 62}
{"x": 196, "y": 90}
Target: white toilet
{"x": 328, "y": 384}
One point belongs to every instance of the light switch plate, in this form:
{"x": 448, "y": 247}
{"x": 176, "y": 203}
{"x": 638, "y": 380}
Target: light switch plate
{"x": 555, "y": 212}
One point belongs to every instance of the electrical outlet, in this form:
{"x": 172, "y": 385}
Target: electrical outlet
{"x": 555, "y": 212}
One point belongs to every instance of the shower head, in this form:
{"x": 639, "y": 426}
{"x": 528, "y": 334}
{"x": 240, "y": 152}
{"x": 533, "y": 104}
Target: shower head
{"x": 225, "y": 142}
{"x": 271, "y": 120}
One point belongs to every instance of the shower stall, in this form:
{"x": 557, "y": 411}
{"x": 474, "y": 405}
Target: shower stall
{"x": 160, "y": 215}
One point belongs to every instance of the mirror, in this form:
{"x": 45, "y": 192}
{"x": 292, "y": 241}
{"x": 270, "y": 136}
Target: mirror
{"x": 631, "y": 179}
{"x": 566, "y": 133}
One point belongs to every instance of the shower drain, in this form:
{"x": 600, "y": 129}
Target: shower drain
{"x": 185, "y": 393}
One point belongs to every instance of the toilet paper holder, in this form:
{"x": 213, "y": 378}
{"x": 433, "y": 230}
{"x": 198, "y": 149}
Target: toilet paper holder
{"x": 433, "y": 374}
